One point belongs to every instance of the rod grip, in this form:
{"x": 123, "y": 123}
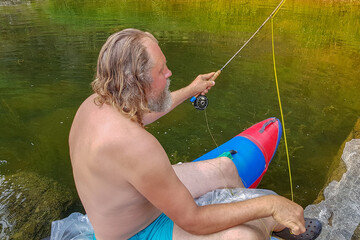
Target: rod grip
{"x": 215, "y": 75}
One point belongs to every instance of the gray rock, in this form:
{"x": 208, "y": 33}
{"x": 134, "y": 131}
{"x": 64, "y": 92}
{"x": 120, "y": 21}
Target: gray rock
{"x": 340, "y": 210}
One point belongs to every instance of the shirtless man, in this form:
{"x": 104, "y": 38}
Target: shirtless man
{"x": 122, "y": 174}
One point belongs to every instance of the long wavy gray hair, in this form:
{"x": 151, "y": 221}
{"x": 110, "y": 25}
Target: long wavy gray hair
{"x": 123, "y": 73}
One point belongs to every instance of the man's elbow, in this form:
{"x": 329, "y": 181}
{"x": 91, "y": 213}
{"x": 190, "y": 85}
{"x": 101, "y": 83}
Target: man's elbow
{"x": 193, "y": 225}
{"x": 192, "y": 228}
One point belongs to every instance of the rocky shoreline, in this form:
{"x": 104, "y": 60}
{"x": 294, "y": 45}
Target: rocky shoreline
{"x": 338, "y": 205}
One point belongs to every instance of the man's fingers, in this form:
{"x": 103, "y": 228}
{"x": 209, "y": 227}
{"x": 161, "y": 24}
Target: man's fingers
{"x": 297, "y": 229}
{"x": 302, "y": 228}
{"x": 211, "y": 83}
{"x": 207, "y": 76}
{"x": 202, "y": 84}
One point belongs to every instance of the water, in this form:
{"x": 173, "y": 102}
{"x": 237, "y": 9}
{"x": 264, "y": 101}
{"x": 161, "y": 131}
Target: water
{"x": 48, "y": 52}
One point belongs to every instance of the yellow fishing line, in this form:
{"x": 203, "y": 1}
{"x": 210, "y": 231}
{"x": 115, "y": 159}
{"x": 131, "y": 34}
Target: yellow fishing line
{"x": 277, "y": 89}
{"x": 278, "y": 9}
{"x": 281, "y": 111}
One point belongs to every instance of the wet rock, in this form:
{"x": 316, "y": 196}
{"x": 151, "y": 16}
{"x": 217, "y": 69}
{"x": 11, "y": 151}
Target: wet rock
{"x": 10, "y": 2}
{"x": 356, "y": 235}
{"x": 28, "y": 205}
{"x": 340, "y": 210}
{"x": 338, "y": 168}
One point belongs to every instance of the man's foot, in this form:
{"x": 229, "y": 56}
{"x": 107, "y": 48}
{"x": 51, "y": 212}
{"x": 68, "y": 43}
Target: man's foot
{"x": 313, "y": 230}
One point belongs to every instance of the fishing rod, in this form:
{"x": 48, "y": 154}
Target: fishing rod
{"x": 201, "y": 102}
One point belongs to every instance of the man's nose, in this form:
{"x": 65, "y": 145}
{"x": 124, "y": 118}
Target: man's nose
{"x": 168, "y": 73}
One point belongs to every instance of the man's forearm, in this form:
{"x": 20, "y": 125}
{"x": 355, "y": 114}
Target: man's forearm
{"x": 214, "y": 218}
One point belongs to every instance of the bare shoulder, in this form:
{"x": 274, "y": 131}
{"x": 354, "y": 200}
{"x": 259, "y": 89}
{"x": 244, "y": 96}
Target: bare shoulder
{"x": 104, "y": 134}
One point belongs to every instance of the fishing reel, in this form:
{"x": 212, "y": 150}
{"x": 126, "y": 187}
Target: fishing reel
{"x": 200, "y": 102}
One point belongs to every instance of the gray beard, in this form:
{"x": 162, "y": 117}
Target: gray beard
{"x": 163, "y": 102}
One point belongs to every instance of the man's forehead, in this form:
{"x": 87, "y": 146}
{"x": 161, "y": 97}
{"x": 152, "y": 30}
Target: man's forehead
{"x": 153, "y": 49}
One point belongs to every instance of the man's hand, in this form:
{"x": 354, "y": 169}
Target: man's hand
{"x": 201, "y": 84}
{"x": 289, "y": 214}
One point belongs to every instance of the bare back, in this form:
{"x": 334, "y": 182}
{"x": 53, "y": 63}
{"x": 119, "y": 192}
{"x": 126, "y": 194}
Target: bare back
{"x": 103, "y": 146}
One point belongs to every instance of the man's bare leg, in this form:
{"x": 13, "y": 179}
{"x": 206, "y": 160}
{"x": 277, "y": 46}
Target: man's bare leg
{"x": 204, "y": 176}
{"x": 254, "y": 230}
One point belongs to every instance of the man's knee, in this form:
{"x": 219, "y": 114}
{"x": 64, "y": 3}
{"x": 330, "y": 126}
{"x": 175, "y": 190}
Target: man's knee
{"x": 229, "y": 170}
{"x": 228, "y": 165}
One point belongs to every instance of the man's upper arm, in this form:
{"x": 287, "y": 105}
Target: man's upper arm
{"x": 151, "y": 173}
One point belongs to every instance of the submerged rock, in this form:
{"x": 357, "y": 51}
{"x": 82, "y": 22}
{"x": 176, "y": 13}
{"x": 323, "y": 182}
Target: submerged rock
{"x": 11, "y": 2}
{"x": 29, "y": 203}
{"x": 340, "y": 210}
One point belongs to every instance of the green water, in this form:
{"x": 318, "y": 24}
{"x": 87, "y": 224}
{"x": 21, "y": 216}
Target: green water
{"x": 48, "y": 52}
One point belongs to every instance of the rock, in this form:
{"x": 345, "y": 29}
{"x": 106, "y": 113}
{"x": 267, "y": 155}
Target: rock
{"x": 10, "y": 2}
{"x": 340, "y": 210}
{"x": 28, "y": 205}
{"x": 356, "y": 235}
{"x": 337, "y": 168}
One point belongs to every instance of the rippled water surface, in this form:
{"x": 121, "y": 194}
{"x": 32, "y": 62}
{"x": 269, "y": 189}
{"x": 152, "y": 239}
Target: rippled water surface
{"x": 48, "y": 52}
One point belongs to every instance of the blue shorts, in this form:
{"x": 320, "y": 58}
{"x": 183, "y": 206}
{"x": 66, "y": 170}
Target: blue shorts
{"x": 160, "y": 229}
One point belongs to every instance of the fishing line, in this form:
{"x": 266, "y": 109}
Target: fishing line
{"x": 208, "y": 127}
{"x": 202, "y": 103}
{"x": 271, "y": 15}
{"x": 281, "y": 111}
